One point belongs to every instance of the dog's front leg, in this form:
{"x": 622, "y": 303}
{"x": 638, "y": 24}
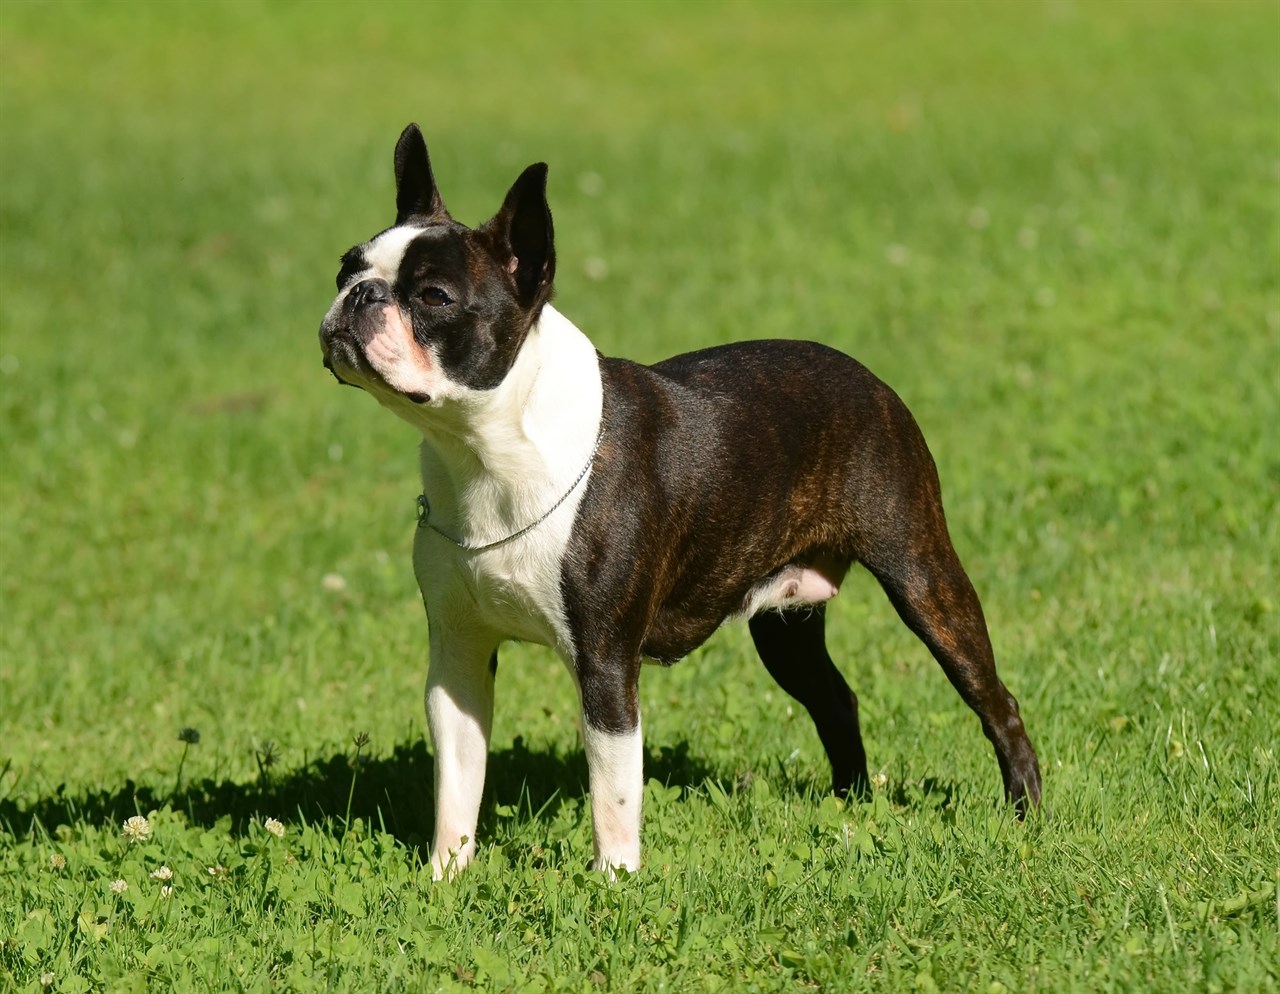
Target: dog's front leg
{"x": 460, "y": 713}
{"x": 615, "y": 757}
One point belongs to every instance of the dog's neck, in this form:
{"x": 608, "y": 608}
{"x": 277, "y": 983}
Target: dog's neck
{"x": 500, "y": 458}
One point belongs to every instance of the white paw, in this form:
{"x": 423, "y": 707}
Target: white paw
{"x": 448, "y": 863}
{"x": 610, "y": 864}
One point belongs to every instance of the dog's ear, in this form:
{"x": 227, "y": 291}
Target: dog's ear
{"x": 523, "y": 237}
{"x": 416, "y": 193}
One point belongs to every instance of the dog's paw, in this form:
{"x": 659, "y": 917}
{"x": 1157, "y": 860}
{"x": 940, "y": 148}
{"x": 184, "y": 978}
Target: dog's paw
{"x": 446, "y": 864}
{"x": 615, "y": 870}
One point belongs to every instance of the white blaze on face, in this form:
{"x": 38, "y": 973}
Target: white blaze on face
{"x": 385, "y": 253}
{"x": 383, "y": 256}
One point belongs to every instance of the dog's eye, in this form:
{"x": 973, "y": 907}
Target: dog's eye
{"x": 435, "y": 297}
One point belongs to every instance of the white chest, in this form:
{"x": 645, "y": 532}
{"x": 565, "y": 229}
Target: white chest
{"x": 511, "y": 592}
{"x": 518, "y": 465}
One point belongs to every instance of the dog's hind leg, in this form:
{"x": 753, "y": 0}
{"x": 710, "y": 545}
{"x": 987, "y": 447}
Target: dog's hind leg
{"x": 933, "y": 595}
{"x": 793, "y": 647}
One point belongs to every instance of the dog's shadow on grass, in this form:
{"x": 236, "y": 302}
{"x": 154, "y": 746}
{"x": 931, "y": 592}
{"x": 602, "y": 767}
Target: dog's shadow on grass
{"x": 392, "y": 793}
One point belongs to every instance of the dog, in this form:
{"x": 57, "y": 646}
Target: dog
{"x": 619, "y": 513}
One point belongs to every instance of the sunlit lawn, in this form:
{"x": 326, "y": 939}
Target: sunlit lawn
{"x": 1053, "y": 228}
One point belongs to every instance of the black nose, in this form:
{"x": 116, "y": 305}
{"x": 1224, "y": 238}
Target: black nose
{"x": 370, "y": 292}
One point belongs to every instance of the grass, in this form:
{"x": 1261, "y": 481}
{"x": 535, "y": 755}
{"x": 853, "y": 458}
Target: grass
{"x": 1054, "y": 228}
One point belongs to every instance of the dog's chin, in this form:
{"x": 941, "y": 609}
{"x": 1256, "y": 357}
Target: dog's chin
{"x": 406, "y": 403}
{"x": 362, "y": 375}
{"x": 348, "y": 368}
{"x": 343, "y": 357}
{"x": 333, "y": 371}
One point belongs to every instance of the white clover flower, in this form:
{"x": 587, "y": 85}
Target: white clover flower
{"x": 46, "y": 980}
{"x": 276, "y": 828}
{"x": 218, "y": 872}
{"x": 118, "y": 887}
{"x": 164, "y": 873}
{"x": 57, "y": 861}
{"x": 879, "y": 780}
{"x": 137, "y": 829}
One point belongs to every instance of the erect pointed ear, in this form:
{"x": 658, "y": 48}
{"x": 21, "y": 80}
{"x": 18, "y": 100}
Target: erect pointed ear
{"x": 523, "y": 236}
{"x": 416, "y": 193}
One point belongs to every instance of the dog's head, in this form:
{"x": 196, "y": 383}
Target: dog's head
{"x": 431, "y": 311}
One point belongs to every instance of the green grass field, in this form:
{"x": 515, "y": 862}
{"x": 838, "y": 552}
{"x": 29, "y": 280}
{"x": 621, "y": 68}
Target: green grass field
{"x": 1053, "y": 227}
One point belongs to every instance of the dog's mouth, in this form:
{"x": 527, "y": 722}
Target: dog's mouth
{"x": 356, "y": 360}
{"x": 328, "y": 364}
{"x": 342, "y": 356}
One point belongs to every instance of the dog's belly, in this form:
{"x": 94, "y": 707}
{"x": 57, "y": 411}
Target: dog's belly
{"x": 673, "y": 636}
{"x": 681, "y": 627}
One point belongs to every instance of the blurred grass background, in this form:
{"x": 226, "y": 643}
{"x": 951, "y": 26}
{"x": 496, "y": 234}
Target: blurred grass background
{"x": 1052, "y": 227}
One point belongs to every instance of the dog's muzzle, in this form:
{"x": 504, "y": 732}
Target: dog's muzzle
{"x": 367, "y": 293}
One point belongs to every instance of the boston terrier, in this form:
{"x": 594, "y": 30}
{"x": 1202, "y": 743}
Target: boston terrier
{"x": 619, "y": 513}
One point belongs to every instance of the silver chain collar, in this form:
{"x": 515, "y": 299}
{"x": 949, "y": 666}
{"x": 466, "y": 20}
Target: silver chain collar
{"x": 424, "y": 510}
